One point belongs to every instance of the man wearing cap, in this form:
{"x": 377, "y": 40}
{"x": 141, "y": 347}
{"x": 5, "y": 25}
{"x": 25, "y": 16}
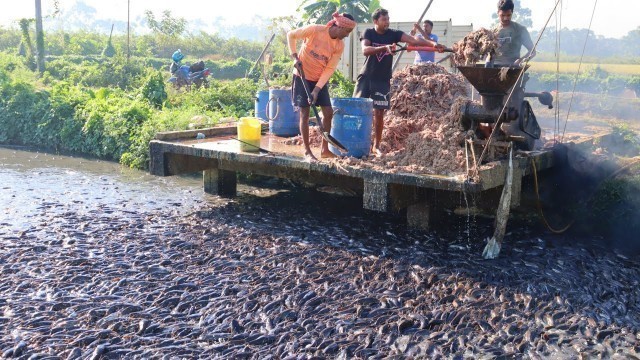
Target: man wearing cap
{"x": 319, "y": 56}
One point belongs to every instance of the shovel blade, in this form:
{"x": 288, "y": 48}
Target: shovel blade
{"x": 333, "y": 141}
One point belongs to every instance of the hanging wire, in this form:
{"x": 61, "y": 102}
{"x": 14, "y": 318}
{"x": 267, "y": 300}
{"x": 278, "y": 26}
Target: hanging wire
{"x": 506, "y": 103}
{"x": 575, "y": 82}
{"x": 556, "y": 112}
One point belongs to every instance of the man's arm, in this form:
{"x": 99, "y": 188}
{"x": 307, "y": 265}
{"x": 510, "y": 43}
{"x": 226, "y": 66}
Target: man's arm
{"x": 417, "y": 29}
{"x": 331, "y": 67}
{"x": 292, "y": 37}
{"x": 368, "y": 49}
{"x": 528, "y": 44}
{"x": 417, "y": 41}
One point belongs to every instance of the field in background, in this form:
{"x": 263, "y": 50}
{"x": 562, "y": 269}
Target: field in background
{"x": 565, "y": 67}
{"x": 589, "y": 113}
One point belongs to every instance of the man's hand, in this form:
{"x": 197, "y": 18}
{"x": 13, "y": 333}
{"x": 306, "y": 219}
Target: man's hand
{"x": 296, "y": 61}
{"x": 521, "y": 61}
{"x": 314, "y": 95}
{"x": 390, "y": 49}
{"x": 415, "y": 30}
{"x": 440, "y": 48}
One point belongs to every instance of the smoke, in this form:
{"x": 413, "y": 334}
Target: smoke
{"x": 597, "y": 193}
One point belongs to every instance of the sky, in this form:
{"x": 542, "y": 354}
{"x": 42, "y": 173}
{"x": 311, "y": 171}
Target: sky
{"x": 610, "y": 19}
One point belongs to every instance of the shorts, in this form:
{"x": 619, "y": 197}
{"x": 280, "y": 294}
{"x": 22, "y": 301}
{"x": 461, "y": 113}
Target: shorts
{"x": 299, "y": 95}
{"x": 378, "y": 91}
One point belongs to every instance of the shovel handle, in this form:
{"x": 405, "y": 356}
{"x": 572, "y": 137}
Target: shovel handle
{"x": 422, "y": 48}
{"x": 252, "y": 145}
{"x": 330, "y": 139}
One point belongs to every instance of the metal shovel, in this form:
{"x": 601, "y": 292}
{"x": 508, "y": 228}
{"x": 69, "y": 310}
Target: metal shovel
{"x": 261, "y": 150}
{"x": 330, "y": 139}
{"x": 420, "y": 48}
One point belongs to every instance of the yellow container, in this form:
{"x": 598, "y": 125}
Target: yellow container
{"x": 249, "y": 129}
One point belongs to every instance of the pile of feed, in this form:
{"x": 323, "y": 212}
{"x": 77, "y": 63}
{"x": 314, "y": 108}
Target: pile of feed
{"x": 422, "y": 133}
{"x": 474, "y": 47}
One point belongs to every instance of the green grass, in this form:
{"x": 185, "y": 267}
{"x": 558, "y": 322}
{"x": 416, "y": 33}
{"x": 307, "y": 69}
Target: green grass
{"x": 565, "y": 67}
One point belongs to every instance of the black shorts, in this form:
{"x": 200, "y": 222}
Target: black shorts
{"x": 300, "y": 98}
{"x": 378, "y": 91}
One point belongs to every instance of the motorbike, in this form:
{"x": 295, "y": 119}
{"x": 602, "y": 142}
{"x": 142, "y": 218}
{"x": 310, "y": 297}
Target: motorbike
{"x": 187, "y": 75}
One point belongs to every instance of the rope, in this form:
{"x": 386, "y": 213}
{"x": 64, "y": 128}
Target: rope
{"x": 575, "y": 82}
{"x": 506, "y": 104}
{"x": 539, "y": 203}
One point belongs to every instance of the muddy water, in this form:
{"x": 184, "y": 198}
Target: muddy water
{"x": 102, "y": 262}
{"x": 36, "y": 184}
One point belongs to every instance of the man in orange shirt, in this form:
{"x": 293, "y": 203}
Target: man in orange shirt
{"x": 319, "y": 55}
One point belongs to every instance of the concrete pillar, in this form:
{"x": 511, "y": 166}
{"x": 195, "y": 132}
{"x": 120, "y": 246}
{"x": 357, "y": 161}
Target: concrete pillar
{"x": 418, "y": 216}
{"x": 219, "y": 182}
{"x": 157, "y": 159}
{"x": 376, "y": 195}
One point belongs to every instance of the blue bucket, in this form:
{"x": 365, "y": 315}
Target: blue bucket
{"x": 351, "y": 125}
{"x": 260, "y": 107}
{"x": 283, "y": 119}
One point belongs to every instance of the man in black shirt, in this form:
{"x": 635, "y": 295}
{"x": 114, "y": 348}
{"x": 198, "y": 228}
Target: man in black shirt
{"x": 374, "y": 80}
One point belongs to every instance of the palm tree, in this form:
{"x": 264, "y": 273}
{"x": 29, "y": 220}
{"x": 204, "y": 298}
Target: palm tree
{"x": 319, "y": 12}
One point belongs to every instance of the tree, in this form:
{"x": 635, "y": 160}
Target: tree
{"x": 26, "y": 48}
{"x": 109, "y": 50}
{"x": 632, "y": 37}
{"x": 168, "y": 25}
{"x": 39, "y": 38}
{"x": 521, "y": 15}
{"x": 319, "y": 12}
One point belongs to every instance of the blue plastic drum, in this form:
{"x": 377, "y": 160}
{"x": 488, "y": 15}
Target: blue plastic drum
{"x": 351, "y": 125}
{"x": 283, "y": 119}
{"x": 260, "y": 108}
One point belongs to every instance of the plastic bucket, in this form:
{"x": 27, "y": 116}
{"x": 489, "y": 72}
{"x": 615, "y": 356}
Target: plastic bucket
{"x": 351, "y": 125}
{"x": 249, "y": 134}
{"x": 260, "y": 108}
{"x": 283, "y": 119}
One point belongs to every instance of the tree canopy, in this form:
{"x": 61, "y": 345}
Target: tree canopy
{"x": 319, "y": 12}
{"x": 168, "y": 25}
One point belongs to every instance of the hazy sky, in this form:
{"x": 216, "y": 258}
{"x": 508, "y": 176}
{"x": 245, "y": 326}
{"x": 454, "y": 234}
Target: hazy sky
{"x": 613, "y": 18}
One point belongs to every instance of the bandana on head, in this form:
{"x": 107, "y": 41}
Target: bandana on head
{"x": 342, "y": 21}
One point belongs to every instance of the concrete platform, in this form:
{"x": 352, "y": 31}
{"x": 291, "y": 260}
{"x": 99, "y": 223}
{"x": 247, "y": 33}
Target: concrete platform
{"x": 219, "y": 158}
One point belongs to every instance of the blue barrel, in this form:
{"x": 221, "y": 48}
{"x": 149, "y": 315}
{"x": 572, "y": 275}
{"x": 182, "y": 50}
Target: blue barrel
{"x": 351, "y": 125}
{"x": 283, "y": 119}
{"x": 260, "y": 107}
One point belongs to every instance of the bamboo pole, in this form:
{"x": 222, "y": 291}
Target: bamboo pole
{"x": 397, "y": 60}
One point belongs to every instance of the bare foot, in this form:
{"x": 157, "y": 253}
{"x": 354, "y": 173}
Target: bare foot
{"x": 377, "y": 152}
{"x": 309, "y": 157}
{"x": 327, "y": 154}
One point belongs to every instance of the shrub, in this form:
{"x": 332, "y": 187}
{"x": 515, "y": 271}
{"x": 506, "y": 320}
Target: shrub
{"x": 153, "y": 89}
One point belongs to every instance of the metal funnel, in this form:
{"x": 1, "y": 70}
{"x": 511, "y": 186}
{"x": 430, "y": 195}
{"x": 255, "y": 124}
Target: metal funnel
{"x": 487, "y": 80}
